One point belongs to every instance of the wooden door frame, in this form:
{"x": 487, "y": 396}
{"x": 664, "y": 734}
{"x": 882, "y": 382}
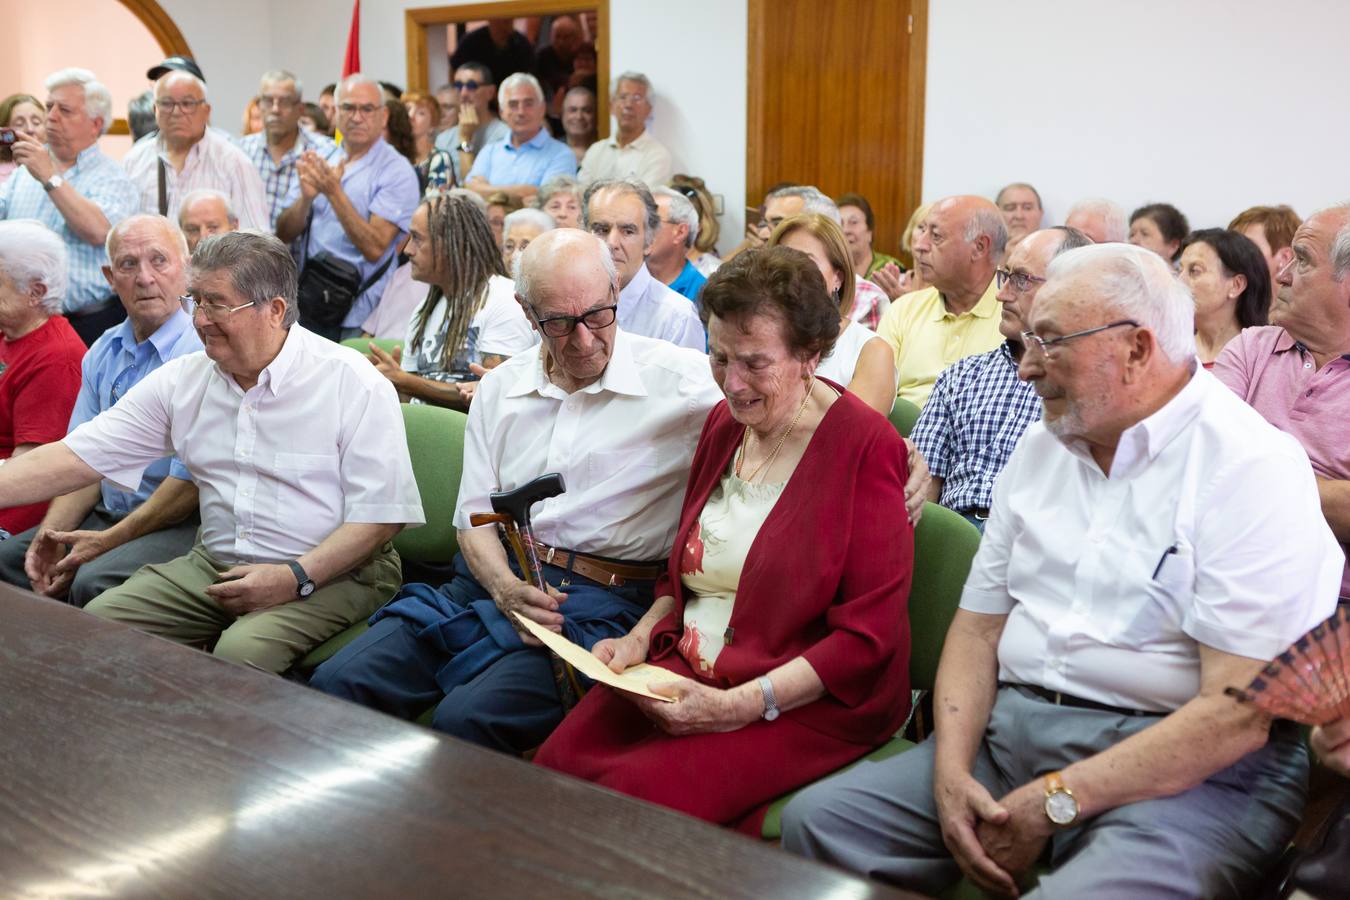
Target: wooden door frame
{"x": 416, "y": 22}
{"x": 164, "y": 31}
{"x": 912, "y": 166}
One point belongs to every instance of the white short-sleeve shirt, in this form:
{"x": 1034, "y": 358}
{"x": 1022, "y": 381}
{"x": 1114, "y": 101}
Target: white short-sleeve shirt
{"x": 317, "y": 442}
{"x": 623, "y": 445}
{"x": 1207, "y": 531}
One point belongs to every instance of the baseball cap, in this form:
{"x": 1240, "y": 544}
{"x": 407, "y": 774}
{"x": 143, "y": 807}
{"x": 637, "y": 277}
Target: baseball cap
{"x": 181, "y": 63}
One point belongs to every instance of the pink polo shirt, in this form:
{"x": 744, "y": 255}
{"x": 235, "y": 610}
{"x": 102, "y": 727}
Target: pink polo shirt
{"x": 1278, "y": 377}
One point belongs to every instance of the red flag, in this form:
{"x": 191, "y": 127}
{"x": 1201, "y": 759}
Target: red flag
{"x": 351, "y": 63}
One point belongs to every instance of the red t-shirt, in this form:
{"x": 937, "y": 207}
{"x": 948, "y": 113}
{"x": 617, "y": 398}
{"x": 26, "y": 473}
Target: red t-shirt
{"x": 39, "y": 380}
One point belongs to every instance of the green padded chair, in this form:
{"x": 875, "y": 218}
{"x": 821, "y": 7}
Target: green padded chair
{"x": 903, "y": 416}
{"x": 944, "y": 545}
{"x": 388, "y": 345}
{"x": 436, "y": 445}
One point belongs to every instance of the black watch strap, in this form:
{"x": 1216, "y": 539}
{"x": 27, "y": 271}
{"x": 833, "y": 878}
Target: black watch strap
{"x": 303, "y": 585}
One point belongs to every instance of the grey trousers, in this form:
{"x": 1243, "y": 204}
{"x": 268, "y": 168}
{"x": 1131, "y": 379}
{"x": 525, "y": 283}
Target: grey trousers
{"x": 110, "y": 569}
{"x": 1214, "y": 840}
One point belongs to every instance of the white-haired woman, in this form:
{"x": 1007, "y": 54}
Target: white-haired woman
{"x": 518, "y": 229}
{"x": 40, "y": 353}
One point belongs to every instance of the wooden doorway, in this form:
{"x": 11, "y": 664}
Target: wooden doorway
{"x": 421, "y": 23}
{"x": 836, "y": 91}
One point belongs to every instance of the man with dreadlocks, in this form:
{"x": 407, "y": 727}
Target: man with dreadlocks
{"x": 470, "y": 316}
{"x": 617, "y": 415}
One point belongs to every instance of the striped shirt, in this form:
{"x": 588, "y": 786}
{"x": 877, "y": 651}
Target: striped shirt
{"x": 281, "y": 182}
{"x": 977, "y": 412}
{"x": 97, "y": 178}
{"x": 213, "y": 162}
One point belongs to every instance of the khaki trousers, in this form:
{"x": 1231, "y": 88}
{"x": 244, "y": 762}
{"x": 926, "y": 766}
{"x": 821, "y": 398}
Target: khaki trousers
{"x": 169, "y": 600}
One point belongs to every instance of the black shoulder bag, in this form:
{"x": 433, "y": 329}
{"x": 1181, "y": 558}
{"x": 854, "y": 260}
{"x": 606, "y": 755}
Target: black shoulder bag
{"x": 328, "y": 288}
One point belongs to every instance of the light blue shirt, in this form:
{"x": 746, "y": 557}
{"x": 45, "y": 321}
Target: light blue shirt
{"x": 382, "y": 183}
{"x": 448, "y": 140}
{"x": 96, "y": 177}
{"x": 110, "y": 368}
{"x": 533, "y": 162}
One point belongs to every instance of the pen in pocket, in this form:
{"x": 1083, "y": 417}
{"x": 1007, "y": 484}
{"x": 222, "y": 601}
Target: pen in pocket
{"x": 1166, "y": 553}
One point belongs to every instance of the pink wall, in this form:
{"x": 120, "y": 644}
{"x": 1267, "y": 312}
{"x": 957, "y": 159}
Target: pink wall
{"x": 100, "y": 35}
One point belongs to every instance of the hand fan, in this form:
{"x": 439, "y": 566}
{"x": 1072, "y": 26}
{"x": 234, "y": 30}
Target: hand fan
{"x": 1310, "y": 682}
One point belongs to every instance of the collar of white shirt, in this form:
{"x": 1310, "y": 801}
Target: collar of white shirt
{"x": 621, "y": 375}
{"x": 636, "y": 290}
{"x": 1141, "y": 443}
{"x": 273, "y": 374}
{"x": 637, "y": 143}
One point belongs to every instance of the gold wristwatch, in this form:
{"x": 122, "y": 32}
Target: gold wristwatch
{"x": 1061, "y": 807}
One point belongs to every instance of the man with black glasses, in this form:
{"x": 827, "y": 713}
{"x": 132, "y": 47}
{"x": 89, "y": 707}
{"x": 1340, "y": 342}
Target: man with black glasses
{"x": 477, "y": 125}
{"x": 186, "y": 155}
{"x": 617, "y": 415}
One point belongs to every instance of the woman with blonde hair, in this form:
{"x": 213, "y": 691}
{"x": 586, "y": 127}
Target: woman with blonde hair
{"x": 890, "y": 277}
{"x": 704, "y": 252}
{"x": 859, "y": 360}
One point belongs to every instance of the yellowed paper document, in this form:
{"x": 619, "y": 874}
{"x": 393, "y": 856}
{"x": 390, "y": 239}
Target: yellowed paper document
{"x": 634, "y": 679}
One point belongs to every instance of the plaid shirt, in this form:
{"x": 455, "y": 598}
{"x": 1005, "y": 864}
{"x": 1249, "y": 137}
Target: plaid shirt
{"x": 972, "y": 421}
{"x": 96, "y": 177}
{"x": 281, "y": 184}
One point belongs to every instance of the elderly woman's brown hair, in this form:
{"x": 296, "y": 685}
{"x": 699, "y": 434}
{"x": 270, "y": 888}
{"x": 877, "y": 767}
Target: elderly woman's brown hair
{"x": 836, "y": 251}
{"x": 780, "y": 283}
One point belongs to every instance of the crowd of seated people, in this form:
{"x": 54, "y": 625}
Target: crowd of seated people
{"x": 188, "y": 447}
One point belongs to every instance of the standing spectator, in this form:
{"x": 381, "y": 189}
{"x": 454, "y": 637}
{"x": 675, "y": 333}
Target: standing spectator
{"x": 141, "y": 115}
{"x": 704, "y": 252}
{"x": 1227, "y": 277}
{"x": 313, "y": 121}
{"x": 435, "y": 169}
{"x": 92, "y": 540}
{"x": 498, "y": 46}
{"x": 253, "y": 118}
{"x": 76, "y": 191}
{"x": 276, "y": 149}
{"x": 1159, "y": 227}
{"x": 560, "y": 197}
{"x": 328, "y": 103}
{"x": 631, "y": 152}
{"x": 357, "y": 210}
{"x": 624, "y": 215}
{"x": 1099, "y": 219}
{"x": 957, "y": 252}
{"x": 478, "y": 123}
{"x": 398, "y": 131}
{"x": 203, "y": 213}
{"x": 668, "y": 259}
{"x": 859, "y": 224}
{"x": 578, "y": 120}
{"x": 23, "y": 114}
{"x": 188, "y": 155}
{"x": 553, "y": 65}
{"x": 447, "y": 98}
{"x": 519, "y": 164}
{"x": 1271, "y": 229}
{"x": 39, "y": 352}
{"x": 1022, "y": 211}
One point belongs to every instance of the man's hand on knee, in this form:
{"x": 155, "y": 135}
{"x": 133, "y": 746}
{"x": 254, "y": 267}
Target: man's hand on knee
{"x": 245, "y": 589}
{"x": 963, "y": 804}
{"x": 534, "y": 605}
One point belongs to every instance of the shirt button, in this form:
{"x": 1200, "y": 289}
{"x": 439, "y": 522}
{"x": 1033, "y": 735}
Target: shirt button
{"x": 243, "y": 532}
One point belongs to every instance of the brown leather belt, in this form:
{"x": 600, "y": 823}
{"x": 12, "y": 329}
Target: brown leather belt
{"x": 602, "y": 571}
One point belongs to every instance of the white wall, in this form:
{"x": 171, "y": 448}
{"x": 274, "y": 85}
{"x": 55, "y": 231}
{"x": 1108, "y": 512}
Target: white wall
{"x": 1212, "y": 105}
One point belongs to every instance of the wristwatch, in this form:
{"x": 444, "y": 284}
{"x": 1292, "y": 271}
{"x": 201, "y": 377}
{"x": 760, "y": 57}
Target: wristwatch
{"x": 304, "y": 585}
{"x": 770, "y": 701}
{"x": 1061, "y": 807}
{"x": 53, "y": 183}
{"x": 465, "y": 147}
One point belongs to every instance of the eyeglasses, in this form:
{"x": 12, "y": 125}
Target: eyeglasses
{"x": 169, "y": 107}
{"x": 1046, "y": 347}
{"x": 1022, "y": 282}
{"x": 562, "y": 326}
{"x": 351, "y": 109}
{"x": 630, "y": 98}
{"x": 214, "y": 312}
{"x": 465, "y": 85}
{"x": 265, "y": 101}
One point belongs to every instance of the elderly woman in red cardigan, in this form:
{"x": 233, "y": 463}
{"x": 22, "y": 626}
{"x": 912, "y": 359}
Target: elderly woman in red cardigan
{"x": 784, "y": 606}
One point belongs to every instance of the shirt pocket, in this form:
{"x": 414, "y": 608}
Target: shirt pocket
{"x": 1154, "y": 607}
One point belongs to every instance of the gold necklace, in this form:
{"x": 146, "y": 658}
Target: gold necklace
{"x": 740, "y": 456}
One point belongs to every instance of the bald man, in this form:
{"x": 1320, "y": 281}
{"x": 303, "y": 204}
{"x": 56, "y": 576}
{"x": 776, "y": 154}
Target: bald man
{"x": 205, "y": 212}
{"x": 958, "y": 314}
{"x": 92, "y": 539}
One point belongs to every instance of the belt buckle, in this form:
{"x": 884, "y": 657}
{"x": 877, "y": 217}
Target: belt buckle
{"x": 1059, "y": 698}
{"x": 548, "y": 558}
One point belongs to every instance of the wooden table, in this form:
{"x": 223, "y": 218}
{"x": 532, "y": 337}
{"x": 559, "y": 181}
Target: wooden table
{"x": 131, "y": 766}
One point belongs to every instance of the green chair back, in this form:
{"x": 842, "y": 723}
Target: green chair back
{"x": 944, "y": 546}
{"x": 388, "y": 345}
{"x": 436, "y": 445}
{"x": 903, "y": 416}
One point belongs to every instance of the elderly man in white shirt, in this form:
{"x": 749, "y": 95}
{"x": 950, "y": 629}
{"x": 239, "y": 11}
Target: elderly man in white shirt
{"x": 1133, "y": 567}
{"x": 618, "y": 416}
{"x": 298, "y": 450}
{"x": 631, "y": 152}
{"x": 625, "y": 216}
{"x": 186, "y": 155}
